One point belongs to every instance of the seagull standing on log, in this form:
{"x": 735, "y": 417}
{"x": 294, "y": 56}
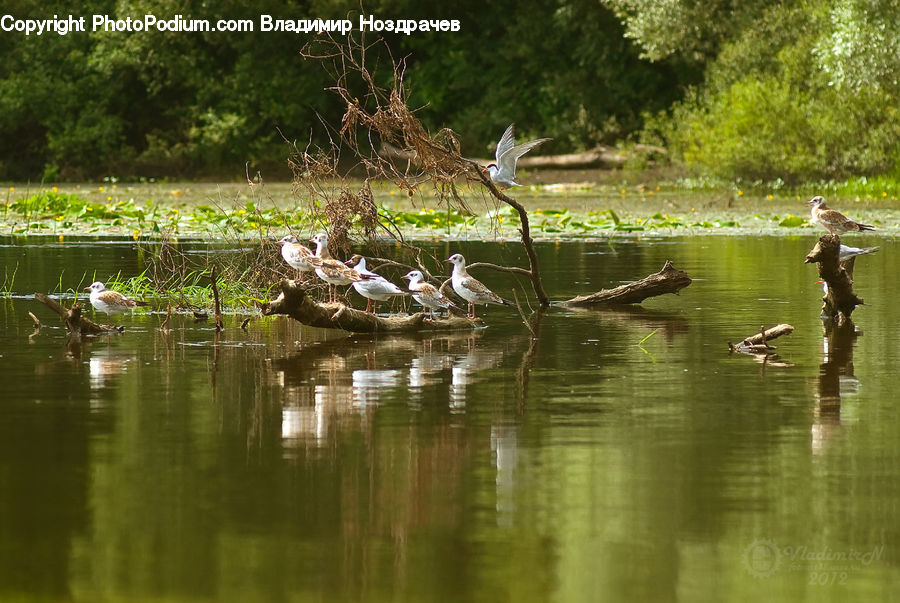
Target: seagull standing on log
{"x": 471, "y": 289}
{"x": 503, "y": 173}
{"x": 374, "y": 289}
{"x": 111, "y": 302}
{"x": 427, "y": 294}
{"x": 331, "y": 270}
{"x": 296, "y": 255}
{"x": 833, "y": 221}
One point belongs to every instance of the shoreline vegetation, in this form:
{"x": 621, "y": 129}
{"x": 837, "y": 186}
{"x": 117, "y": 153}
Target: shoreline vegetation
{"x": 576, "y": 203}
{"x": 250, "y": 218}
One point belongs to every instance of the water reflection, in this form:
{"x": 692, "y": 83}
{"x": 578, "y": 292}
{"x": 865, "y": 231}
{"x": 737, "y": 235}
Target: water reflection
{"x": 505, "y": 446}
{"x": 105, "y": 365}
{"x": 667, "y": 324}
{"x": 836, "y": 379}
{"x": 284, "y": 463}
{"x": 324, "y": 391}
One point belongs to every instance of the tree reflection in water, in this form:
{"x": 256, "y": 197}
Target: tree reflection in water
{"x": 836, "y": 379}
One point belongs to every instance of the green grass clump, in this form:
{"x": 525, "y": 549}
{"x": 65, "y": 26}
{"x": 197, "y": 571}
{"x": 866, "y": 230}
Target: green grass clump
{"x": 192, "y": 291}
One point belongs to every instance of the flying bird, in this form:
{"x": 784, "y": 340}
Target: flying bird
{"x": 833, "y": 221}
{"x": 503, "y": 173}
{"x": 427, "y": 294}
{"x": 471, "y": 289}
{"x": 111, "y": 302}
{"x": 299, "y": 257}
{"x": 374, "y": 289}
{"x": 331, "y": 270}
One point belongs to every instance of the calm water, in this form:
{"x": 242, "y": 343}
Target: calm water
{"x": 288, "y": 464}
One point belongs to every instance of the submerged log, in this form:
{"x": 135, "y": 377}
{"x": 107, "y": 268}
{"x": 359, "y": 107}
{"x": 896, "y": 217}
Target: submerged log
{"x": 667, "y": 280}
{"x": 840, "y": 298}
{"x": 294, "y": 302}
{"x": 76, "y": 323}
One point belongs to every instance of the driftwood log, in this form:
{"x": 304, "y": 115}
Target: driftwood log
{"x": 294, "y": 302}
{"x": 667, "y": 280}
{"x": 76, "y": 323}
{"x": 758, "y": 343}
{"x": 840, "y": 298}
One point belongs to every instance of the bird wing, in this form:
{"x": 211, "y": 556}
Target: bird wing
{"x": 837, "y": 219}
{"x": 433, "y": 295}
{"x": 507, "y": 141}
{"x": 112, "y": 298}
{"x": 378, "y": 285}
{"x": 335, "y": 270}
{"x": 298, "y": 254}
{"x": 507, "y": 162}
{"x": 480, "y": 290}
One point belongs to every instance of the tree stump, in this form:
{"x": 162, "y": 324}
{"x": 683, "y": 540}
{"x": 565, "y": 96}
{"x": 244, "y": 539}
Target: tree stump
{"x": 840, "y": 298}
{"x": 294, "y": 302}
{"x": 667, "y": 280}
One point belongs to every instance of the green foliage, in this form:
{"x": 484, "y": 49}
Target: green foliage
{"x": 694, "y": 28}
{"x": 57, "y": 212}
{"x": 170, "y": 104}
{"x": 769, "y": 110}
{"x": 557, "y": 69}
{"x": 760, "y": 90}
{"x": 862, "y": 48}
{"x": 192, "y": 290}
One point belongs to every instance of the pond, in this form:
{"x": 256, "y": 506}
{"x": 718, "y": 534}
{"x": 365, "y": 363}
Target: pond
{"x": 618, "y": 455}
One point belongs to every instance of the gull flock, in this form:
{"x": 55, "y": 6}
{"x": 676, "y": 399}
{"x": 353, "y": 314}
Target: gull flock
{"x": 375, "y": 287}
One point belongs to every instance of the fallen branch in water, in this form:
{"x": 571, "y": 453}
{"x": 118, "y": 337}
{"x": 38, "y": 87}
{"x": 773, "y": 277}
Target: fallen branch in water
{"x": 758, "y": 344}
{"x": 667, "y": 280}
{"x": 75, "y": 322}
{"x": 294, "y": 302}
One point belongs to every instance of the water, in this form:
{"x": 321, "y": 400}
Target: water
{"x": 285, "y": 463}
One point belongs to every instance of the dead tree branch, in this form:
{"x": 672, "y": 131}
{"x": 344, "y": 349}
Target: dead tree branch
{"x": 667, "y": 280}
{"x": 758, "y": 343}
{"x": 381, "y": 118}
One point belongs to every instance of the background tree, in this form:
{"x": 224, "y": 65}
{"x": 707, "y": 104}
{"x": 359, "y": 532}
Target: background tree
{"x": 797, "y": 91}
{"x": 182, "y": 104}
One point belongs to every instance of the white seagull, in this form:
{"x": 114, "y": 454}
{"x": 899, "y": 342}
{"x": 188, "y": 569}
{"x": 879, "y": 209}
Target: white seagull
{"x": 503, "y": 173}
{"x": 846, "y": 252}
{"x": 111, "y": 302}
{"x": 330, "y": 270}
{"x": 471, "y": 289}
{"x": 427, "y": 294}
{"x": 833, "y": 221}
{"x": 376, "y": 288}
{"x": 299, "y": 257}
